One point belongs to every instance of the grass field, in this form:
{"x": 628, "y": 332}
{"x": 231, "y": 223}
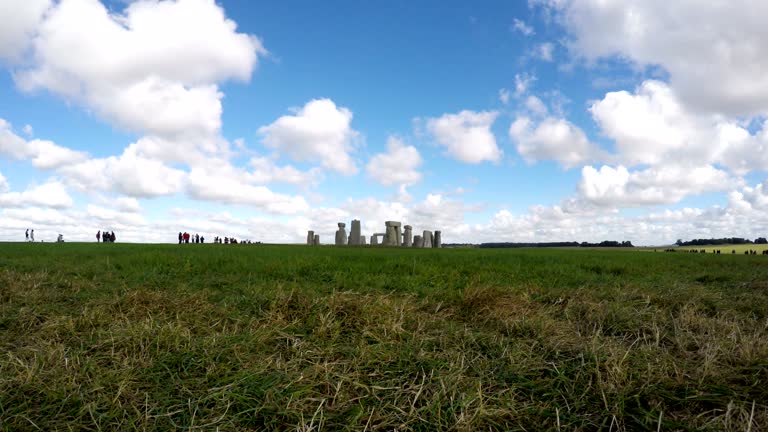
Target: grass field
{"x": 219, "y": 337}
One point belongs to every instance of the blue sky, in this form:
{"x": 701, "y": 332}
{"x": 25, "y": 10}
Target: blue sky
{"x": 546, "y": 120}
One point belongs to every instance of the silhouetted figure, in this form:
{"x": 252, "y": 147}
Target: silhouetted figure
{"x": 197, "y": 238}
{"x": 112, "y": 237}
{"x": 181, "y": 237}
{"x": 26, "y": 234}
{"x": 32, "y": 235}
{"x": 202, "y": 239}
{"x": 98, "y": 236}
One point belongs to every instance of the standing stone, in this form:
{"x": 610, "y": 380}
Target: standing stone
{"x": 408, "y": 236}
{"x": 393, "y": 234}
{"x": 362, "y": 240}
{"x": 426, "y": 237}
{"x": 374, "y": 240}
{"x": 341, "y": 235}
{"x": 438, "y": 241}
{"x": 354, "y": 235}
{"x": 316, "y": 240}
{"x": 418, "y": 242}
{"x": 310, "y": 238}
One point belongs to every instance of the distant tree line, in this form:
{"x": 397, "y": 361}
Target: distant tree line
{"x": 721, "y": 241}
{"x": 607, "y": 243}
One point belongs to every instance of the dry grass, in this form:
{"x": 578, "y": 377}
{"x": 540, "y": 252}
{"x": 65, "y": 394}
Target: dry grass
{"x": 280, "y": 338}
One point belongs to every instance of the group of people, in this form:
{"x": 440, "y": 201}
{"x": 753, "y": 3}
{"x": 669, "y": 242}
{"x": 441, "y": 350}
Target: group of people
{"x": 105, "y": 237}
{"x": 186, "y": 237}
{"x": 30, "y": 235}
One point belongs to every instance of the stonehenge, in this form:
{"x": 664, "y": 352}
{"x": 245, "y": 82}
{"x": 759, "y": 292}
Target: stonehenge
{"x": 341, "y": 235}
{"x": 354, "y": 235}
{"x": 408, "y": 236}
{"x": 426, "y": 238}
{"x": 395, "y": 235}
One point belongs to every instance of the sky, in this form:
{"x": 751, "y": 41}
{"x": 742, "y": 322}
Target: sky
{"x": 494, "y": 120}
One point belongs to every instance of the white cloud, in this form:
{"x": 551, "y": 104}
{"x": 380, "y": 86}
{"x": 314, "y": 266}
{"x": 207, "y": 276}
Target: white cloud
{"x": 652, "y": 125}
{"x": 535, "y": 105}
{"x": 504, "y": 96}
{"x": 665, "y": 184}
{"x": 319, "y": 132}
{"x": 522, "y": 27}
{"x": 552, "y": 139}
{"x": 4, "y": 186}
{"x": 51, "y": 194}
{"x": 219, "y": 187}
{"x": 20, "y": 19}
{"x": 398, "y": 166}
{"x": 467, "y": 136}
{"x": 28, "y": 130}
{"x": 43, "y": 154}
{"x": 522, "y": 83}
{"x": 715, "y": 52}
{"x": 129, "y": 174}
{"x": 266, "y": 171}
{"x": 545, "y": 51}
{"x": 123, "y": 72}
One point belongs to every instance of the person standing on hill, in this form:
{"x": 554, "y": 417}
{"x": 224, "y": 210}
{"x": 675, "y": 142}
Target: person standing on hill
{"x": 181, "y": 237}
{"x": 98, "y": 236}
{"x": 26, "y": 234}
{"x": 32, "y": 235}
{"x": 112, "y": 237}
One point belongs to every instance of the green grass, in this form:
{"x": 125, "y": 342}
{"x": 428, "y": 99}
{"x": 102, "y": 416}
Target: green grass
{"x": 219, "y": 337}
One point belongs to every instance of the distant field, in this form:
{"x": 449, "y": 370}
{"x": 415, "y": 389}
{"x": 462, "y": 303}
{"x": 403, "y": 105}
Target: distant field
{"x": 234, "y": 337}
{"x": 728, "y": 248}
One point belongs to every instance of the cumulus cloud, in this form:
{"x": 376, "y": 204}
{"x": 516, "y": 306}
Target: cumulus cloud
{"x": 122, "y": 70}
{"x": 42, "y": 154}
{"x": 51, "y": 194}
{"x": 320, "y": 131}
{"x": 467, "y": 136}
{"x": 222, "y": 188}
{"x": 4, "y": 186}
{"x": 664, "y": 184}
{"x": 19, "y": 24}
{"x": 266, "y": 171}
{"x": 129, "y": 174}
{"x": 552, "y": 139}
{"x": 652, "y": 125}
{"x": 715, "y": 53}
{"x": 398, "y": 166}
{"x": 535, "y": 105}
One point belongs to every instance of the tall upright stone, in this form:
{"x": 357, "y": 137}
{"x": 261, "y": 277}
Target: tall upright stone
{"x": 310, "y": 238}
{"x": 408, "y": 236}
{"x": 354, "y": 235}
{"x": 316, "y": 240}
{"x": 362, "y": 240}
{"x": 426, "y": 237}
{"x": 374, "y": 240}
{"x": 394, "y": 233}
{"x": 341, "y": 235}
{"x": 418, "y": 242}
{"x": 438, "y": 240}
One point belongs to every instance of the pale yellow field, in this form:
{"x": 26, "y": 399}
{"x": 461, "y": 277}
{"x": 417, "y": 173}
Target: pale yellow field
{"x": 727, "y": 248}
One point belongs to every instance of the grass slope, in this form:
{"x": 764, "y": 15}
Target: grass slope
{"x": 206, "y": 337}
